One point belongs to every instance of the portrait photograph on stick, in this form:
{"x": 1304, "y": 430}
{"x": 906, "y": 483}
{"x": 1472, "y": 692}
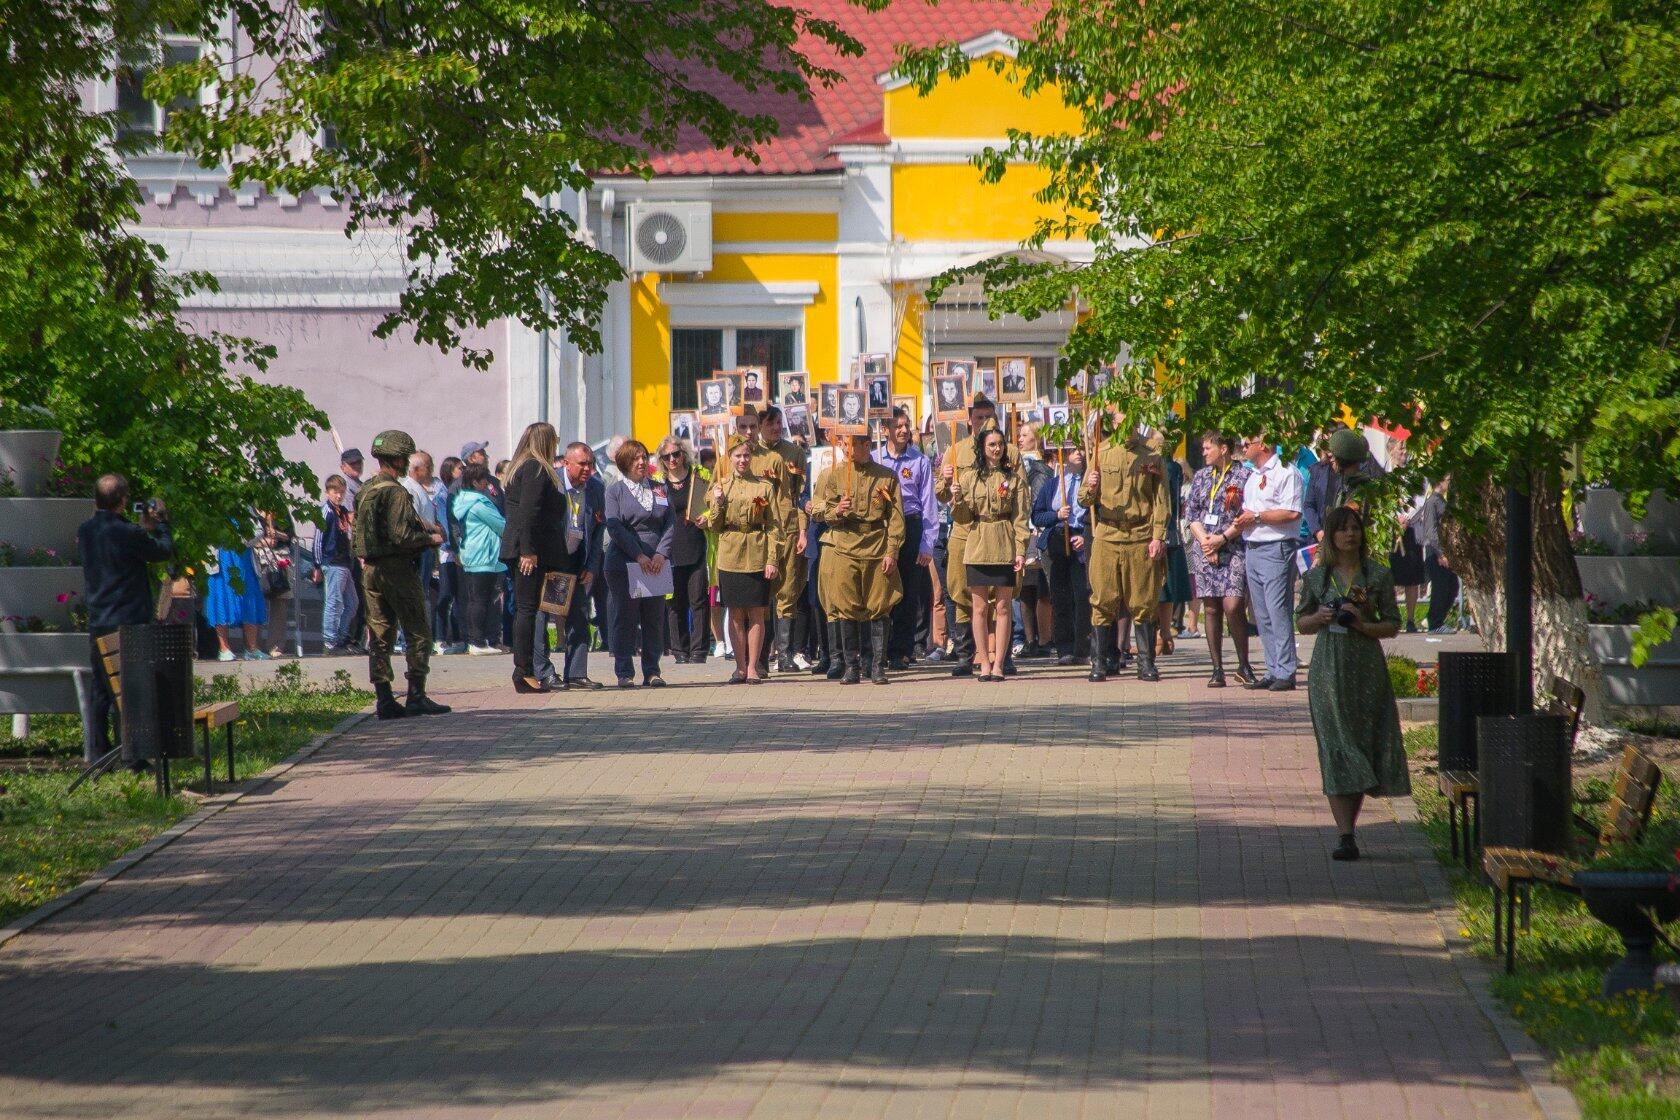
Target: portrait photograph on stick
{"x": 910, "y": 405}
{"x": 791, "y": 387}
{"x": 754, "y": 384}
{"x": 733, "y": 383}
{"x": 950, "y": 398}
{"x": 798, "y": 420}
{"x": 714, "y": 401}
{"x": 1014, "y": 374}
{"x": 685, "y": 426}
{"x": 828, "y": 403}
{"x": 985, "y": 381}
{"x": 852, "y": 418}
{"x": 879, "y": 387}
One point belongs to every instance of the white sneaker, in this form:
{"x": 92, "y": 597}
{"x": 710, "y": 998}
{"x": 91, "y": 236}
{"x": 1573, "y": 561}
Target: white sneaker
{"x": 801, "y": 661}
{"x": 226, "y": 655}
{"x": 718, "y": 650}
{"x": 482, "y": 651}
{"x": 438, "y": 649}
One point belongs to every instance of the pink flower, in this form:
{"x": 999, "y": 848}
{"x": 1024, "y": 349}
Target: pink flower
{"x": 64, "y": 596}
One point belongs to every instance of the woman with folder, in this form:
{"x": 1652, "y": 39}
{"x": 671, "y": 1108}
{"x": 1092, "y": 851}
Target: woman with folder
{"x": 748, "y": 515}
{"x": 638, "y": 566}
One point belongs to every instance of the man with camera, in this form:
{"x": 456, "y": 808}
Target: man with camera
{"x": 118, "y": 590}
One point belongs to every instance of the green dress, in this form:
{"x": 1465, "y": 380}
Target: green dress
{"x": 1349, "y": 695}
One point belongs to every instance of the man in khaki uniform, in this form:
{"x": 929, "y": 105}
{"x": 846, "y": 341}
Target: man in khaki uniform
{"x": 982, "y": 414}
{"x": 858, "y": 578}
{"x": 1123, "y": 489}
{"x": 789, "y": 586}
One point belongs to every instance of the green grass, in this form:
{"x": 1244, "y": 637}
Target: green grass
{"x": 1621, "y": 1057}
{"x": 51, "y": 840}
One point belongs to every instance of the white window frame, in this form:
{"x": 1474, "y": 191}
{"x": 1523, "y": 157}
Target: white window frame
{"x": 206, "y": 95}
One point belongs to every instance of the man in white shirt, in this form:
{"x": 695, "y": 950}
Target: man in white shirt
{"x": 1270, "y": 523}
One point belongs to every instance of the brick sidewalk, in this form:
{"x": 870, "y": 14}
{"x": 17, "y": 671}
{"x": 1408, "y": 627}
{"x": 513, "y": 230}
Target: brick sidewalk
{"x": 939, "y": 899}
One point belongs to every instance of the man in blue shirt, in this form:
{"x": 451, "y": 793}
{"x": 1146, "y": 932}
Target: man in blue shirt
{"x": 921, "y": 531}
{"x": 1066, "y": 546}
{"x": 115, "y": 553}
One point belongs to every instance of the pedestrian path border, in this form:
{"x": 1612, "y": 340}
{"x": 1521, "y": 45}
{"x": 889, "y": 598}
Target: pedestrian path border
{"x": 1551, "y": 1097}
{"x": 210, "y": 808}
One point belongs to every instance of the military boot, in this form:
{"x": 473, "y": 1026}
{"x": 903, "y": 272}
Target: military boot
{"x": 962, "y": 652}
{"x": 1146, "y": 670}
{"x": 419, "y": 704}
{"x": 851, "y": 643}
{"x": 1101, "y": 636}
{"x": 836, "y": 658}
{"x": 878, "y": 651}
{"x": 784, "y": 646}
{"x": 385, "y": 705}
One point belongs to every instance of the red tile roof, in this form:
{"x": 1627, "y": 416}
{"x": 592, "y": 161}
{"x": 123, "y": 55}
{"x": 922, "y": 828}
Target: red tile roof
{"x": 849, "y": 110}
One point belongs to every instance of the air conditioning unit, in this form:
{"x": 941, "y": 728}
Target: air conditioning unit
{"x": 670, "y": 236}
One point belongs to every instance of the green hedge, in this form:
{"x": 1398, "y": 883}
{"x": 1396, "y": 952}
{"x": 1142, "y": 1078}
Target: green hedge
{"x": 1402, "y": 674}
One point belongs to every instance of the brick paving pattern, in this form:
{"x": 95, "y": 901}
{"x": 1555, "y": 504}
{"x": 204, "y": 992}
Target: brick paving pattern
{"x": 1036, "y": 899}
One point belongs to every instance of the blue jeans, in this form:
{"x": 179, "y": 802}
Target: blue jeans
{"x": 1271, "y": 586}
{"x": 338, "y": 603}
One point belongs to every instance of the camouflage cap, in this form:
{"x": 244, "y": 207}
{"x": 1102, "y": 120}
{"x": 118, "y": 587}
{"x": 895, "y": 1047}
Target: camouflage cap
{"x": 393, "y": 444}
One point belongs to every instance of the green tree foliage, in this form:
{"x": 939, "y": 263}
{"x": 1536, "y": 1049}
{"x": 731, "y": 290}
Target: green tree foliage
{"x": 1457, "y": 214}
{"x": 453, "y": 122}
{"x": 89, "y": 320}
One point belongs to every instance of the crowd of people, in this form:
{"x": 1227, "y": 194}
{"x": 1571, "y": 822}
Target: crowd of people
{"x": 994, "y": 551}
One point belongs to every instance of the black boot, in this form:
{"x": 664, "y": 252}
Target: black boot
{"x": 385, "y": 705}
{"x": 1101, "y": 636}
{"x": 419, "y": 704}
{"x": 851, "y": 642}
{"x": 878, "y": 651}
{"x": 1146, "y": 670}
{"x": 962, "y": 652}
{"x": 836, "y": 650}
{"x": 784, "y": 646}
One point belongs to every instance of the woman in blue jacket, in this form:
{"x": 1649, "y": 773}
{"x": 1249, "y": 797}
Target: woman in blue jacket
{"x": 481, "y": 560}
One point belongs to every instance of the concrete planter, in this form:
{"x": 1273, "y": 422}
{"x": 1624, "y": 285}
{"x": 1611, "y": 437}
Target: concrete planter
{"x": 1614, "y": 580}
{"x": 36, "y": 591}
{"x": 44, "y": 522}
{"x": 29, "y": 456}
{"x": 1657, "y": 684}
{"x": 1604, "y": 517}
{"x": 31, "y": 693}
{"x": 1419, "y": 709}
{"x": 44, "y": 651}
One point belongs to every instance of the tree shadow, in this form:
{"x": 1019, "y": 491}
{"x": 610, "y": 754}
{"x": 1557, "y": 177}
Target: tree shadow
{"x": 1028, "y": 1012}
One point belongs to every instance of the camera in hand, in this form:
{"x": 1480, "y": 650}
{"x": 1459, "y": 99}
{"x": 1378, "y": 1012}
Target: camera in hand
{"x": 1345, "y": 615}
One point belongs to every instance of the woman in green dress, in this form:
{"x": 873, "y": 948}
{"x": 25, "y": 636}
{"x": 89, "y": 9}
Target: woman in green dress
{"x": 1348, "y": 601}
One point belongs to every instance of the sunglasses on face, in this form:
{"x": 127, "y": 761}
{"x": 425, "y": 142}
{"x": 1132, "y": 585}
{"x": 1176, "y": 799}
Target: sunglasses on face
{"x": 673, "y": 455}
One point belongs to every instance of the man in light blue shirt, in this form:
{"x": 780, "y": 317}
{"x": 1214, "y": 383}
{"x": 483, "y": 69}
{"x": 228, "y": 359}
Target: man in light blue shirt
{"x": 921, "y": 531}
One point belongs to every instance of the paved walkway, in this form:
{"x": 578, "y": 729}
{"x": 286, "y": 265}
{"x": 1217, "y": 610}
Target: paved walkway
{"x": 1035, "y": 899}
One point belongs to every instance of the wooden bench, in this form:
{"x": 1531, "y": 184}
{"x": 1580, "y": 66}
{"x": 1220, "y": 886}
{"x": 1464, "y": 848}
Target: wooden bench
{"x": 1510, "y": 870}
{"x": 208, "y": 717}
{"x": 1463, "y": 788}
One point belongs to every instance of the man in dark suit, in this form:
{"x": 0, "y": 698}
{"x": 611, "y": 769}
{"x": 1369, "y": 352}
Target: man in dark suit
{"x": 115, "y": 552}
{"x": 583, "y": 507}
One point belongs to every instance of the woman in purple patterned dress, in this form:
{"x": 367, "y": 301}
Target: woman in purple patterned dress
{"x": 1216, "y": 558}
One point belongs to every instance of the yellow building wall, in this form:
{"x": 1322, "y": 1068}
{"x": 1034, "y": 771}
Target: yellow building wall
{"x": 909, "y": 352}
{"x": 650, "y": 325}
{"x": 981, "y": 103}
{"x": 948, "y": 202}
{"x": 775, "y": 227}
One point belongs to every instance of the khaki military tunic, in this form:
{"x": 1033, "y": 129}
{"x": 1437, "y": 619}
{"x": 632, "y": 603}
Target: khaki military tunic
{"x": 389, "y": 537}
{"x": 789, "y": 585}
{"x": 849, "y": 579}
{"x": 749, "y": 523}
{"x": 956, "y": 575}
{"x": 997, "y": 505}
{"x": 1128, "y": 510}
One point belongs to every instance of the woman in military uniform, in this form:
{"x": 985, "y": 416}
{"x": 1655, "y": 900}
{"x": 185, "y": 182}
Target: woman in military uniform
{"x": 858, "y": 578}
{"x": 746, "y": 511}
{"x": 993, "y": 497}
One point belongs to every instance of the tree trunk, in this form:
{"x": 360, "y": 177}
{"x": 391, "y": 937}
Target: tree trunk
{"x": 1474, "y": 541}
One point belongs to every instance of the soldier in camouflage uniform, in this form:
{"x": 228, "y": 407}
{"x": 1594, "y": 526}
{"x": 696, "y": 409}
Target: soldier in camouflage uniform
{"x": 388, "y": 537}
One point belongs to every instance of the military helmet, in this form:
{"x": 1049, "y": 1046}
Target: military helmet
{"x": 1346, "y": 445}
{"x": 393, "y": 444}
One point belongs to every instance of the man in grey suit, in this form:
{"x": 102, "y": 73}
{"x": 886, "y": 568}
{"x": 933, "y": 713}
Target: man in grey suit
{"x": 583, "y": 503}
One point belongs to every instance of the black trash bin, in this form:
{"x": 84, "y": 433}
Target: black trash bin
{"x": 157, "y": 680}
{"x": 1472, "y": 685}
{"x": 1524, "y": 776}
